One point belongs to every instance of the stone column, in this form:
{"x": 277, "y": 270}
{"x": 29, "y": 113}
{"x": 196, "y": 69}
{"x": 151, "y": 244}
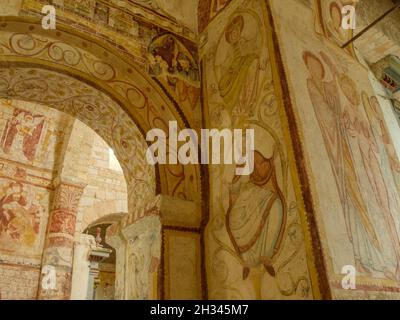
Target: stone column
{"x": 97, "y": 255}
{"x": 81, "y": 266}
{"x": 59, "y": 245}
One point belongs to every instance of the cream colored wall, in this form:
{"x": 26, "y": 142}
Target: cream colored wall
{"x": 90, "y": 162}
{"x": 65, "y": 149}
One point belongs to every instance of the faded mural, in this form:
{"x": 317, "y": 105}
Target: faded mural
{"x": 21, "y": 210}
{"x": 255, "y": 241}
{"x": 27, "y": 140}
{"x": 28, "y": 137}
{"x": 22, "y": 134}
{"x": 143, "y": 99}
{"x": 346, "y": 140}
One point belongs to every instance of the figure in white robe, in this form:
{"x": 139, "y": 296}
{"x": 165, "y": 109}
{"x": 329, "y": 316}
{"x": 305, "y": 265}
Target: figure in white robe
{"x": 256, "y": 217}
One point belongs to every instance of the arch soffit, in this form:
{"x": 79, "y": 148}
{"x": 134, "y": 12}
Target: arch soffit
{"x": 25, "y": 44}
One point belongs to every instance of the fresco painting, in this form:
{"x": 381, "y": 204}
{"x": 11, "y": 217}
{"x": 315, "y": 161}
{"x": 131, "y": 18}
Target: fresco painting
{"x": 22, "y": 208}
{"x": 22, "y": 134}
{"x": 348, "y": 137}
{"x": 347, "y": 142}
{"x": 255, "y": 239}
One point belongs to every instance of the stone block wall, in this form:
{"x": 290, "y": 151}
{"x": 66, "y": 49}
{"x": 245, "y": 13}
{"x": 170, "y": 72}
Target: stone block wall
{"x": 38, "y": 147}
{"x": 18, "y": 282}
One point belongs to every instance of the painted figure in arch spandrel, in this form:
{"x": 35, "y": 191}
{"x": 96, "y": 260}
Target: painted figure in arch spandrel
{"x": 169, "y": 57}
{"x": 365, "y": 229}
{"x": 325, "y": 99}
{"x": 256, "y": 217}
{"x": 239, "y": 72}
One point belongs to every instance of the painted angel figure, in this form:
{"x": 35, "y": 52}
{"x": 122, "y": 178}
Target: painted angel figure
{"x": 366, "y": 148}
{"x": 325, "y": 100}
{"x": 343, "y": 133}
{"x": 22, "y": 134}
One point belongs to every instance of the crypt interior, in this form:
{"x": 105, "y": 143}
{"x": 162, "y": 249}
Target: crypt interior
{"x": 85, "y": 216}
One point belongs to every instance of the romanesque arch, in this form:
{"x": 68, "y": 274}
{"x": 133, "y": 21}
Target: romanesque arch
{"x": 79, "y": 75}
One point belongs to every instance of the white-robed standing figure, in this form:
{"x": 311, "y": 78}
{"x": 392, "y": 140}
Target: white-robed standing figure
{"x": 256, "y": 217}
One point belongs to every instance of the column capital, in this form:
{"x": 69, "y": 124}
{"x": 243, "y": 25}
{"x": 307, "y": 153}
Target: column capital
{"x": 67, "y": 195}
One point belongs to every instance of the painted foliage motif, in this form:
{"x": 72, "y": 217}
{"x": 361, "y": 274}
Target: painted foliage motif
{"x": 358, "y": 160}
{"x": 255, "y": 238}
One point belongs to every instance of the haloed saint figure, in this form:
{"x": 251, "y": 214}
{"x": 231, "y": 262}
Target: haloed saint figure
{"x": 239, "y": 72}
{"x": 256, "y": 217}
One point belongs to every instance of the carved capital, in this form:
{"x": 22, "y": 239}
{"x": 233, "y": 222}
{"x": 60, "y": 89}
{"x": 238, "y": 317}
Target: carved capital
{"x": 67, "y": 196}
